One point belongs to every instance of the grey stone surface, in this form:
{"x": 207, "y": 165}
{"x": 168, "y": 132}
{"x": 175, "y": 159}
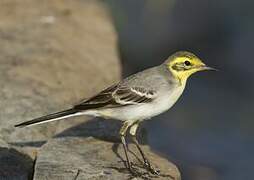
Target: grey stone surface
{"x": 53, "y": 54}
{"x": 91, "y": 150}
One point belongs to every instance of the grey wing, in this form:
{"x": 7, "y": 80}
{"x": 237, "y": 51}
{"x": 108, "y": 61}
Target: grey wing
{"x": 116, "y": 96}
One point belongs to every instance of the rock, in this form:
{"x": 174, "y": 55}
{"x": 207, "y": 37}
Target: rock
{"x": 53, "y": 53}
{"x": 3, "y": 144}
{"x": 85, "y": 152}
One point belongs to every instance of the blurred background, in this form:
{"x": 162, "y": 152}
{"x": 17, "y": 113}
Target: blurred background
{"x": 209, "y": 131}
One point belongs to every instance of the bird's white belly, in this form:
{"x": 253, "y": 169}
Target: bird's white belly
{"x": 144, "y": 111}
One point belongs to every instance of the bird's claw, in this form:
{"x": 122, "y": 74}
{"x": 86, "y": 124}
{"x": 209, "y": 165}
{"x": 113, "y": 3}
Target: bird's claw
{"x": 151, "y": 169}
{"x": 134, "y": 171}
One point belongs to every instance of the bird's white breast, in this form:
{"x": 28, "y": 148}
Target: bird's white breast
{"x": 164, "y": 102}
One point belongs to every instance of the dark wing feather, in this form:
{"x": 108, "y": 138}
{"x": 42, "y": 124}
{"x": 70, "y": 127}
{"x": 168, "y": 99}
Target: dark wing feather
{"x": 116, "y": 96}
{"x": 98, "y": 101}
{"x": 133, "y": 95}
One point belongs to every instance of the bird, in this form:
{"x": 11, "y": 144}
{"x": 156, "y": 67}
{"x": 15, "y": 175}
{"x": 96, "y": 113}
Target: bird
{"x": 136, "y": 98}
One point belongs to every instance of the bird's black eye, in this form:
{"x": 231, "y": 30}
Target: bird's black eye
{"x": 187, "y": 63}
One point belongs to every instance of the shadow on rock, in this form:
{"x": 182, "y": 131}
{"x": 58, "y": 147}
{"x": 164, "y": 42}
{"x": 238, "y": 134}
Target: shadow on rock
{"x": 15, "y": 165}
{"x": 29, "y": 144}
{"x": 106, "y": 130}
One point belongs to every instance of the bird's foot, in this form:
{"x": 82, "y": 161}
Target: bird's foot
{"x": 151, "y": 169}
{"x": 134, "y": 172}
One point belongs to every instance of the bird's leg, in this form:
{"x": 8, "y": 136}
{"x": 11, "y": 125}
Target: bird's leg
{"x": 122, "y": 134}
{"x": 147, "y": 164}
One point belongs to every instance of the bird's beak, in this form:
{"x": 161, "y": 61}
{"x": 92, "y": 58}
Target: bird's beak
{"x": 205, "y": 67}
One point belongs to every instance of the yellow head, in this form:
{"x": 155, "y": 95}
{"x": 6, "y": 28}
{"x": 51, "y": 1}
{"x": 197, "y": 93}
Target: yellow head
{"x": 182, "y": 64}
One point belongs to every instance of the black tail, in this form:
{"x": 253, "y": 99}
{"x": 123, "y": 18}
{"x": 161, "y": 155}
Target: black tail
{"x": 50, "y": 117}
